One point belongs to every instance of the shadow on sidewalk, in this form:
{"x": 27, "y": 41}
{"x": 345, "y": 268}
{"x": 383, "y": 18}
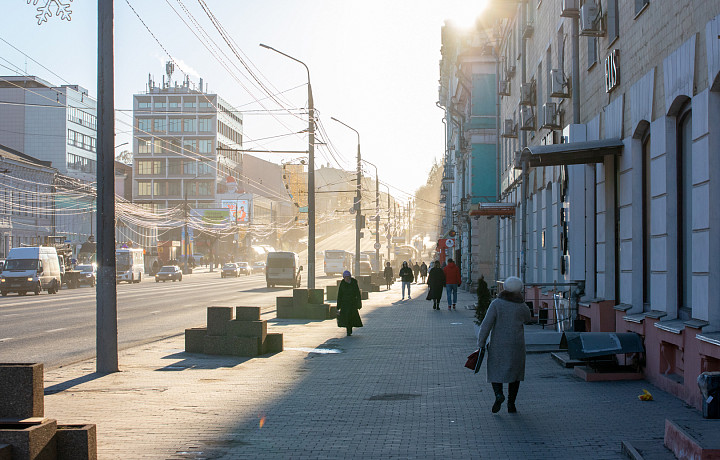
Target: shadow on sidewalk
{"x": 62, "y": 386}
{"x": 189, "y": 361}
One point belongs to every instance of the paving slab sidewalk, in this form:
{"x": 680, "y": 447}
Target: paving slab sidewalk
{"x": 396, "y": 389}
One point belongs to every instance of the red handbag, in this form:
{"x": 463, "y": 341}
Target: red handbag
{"x": 475, "y": 360}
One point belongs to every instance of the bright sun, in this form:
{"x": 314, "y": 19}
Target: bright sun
{"x": 463, "y": 12}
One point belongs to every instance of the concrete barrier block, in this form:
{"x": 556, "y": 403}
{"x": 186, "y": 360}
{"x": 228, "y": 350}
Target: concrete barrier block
{"x": 331, "y": 292}
{"x": 273, "y": 343}
{"x": 217, "y": 319}
{"x": 247, "y": 329}
{"x": 364, "y": 295}
{"x": 76, "y": 442}
{"x": 21, "y": 390}
{"x": 195, "y": 339}
{"x": 30, "y": 440}
{"x": 316, "y": 296}
{"x": 300, "y": 297}
{"x": 247, "y": 313}
{"x": 244, "y": 346}
{"x": 374, "y": 288}
{"x": 285, "y": 312}
{"x": 215, "y": 345}
{"x": 317, "y": 311}
{"x": 283, "y": 301}
{"x": 332, "y": 312}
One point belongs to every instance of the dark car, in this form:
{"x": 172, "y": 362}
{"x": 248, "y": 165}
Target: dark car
{"x": 88, "y": 274}
{"x": 169, "y": 272}
{"x": 229, "y": 269}
{"x": 244, "y": 268}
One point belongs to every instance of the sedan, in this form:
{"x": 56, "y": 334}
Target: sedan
{"x": 169, "y": 272}
{"x": 258, "y": 267}
{"x": 88, "y": 274}
{"x": 244, "y": 268}
{"x": 229, "y": 269}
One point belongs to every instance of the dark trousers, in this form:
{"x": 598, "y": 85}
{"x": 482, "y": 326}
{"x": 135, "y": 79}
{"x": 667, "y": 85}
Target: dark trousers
{"x": 436, "y": 304}
{"x": 513, "y": 388}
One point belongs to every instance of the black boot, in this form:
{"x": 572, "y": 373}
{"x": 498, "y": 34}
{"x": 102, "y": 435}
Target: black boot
{"x": 499, "y": 397}
{"x": 512, "y": 394}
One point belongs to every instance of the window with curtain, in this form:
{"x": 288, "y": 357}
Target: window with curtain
{"x": 684, "y": 215}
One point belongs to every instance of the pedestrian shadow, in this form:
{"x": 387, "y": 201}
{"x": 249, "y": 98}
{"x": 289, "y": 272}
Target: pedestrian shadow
{"x": 66, "y": 385}
{"x": 191, "y": 361}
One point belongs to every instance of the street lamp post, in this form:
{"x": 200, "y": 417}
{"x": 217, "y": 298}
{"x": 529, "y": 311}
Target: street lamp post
{"x": 311, "y": 172}
{"x": 358, "y": 199}
{"x": 377, "y": 214}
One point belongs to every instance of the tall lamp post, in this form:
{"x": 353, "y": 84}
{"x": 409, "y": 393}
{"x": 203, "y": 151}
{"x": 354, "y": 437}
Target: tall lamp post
{"x": 377, "y": 215}
{"x": 358, "y": 199}
{"x": 311, "y": 173}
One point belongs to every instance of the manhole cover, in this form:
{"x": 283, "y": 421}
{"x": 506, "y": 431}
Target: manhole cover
{"x": 394, "y": 397}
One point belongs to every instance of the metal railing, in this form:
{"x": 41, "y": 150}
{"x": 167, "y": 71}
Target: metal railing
{"x": 564, "y": 305}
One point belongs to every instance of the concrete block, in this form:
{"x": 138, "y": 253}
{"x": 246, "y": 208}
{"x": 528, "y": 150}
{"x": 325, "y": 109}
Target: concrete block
{"x": 215, "y": 345}
{"x": 284, "y": 301}
{"x": 195, "y": 339}
{"x": 244, "y": 346}
{"x": 5, "y": 452}
{"x": 364, "y": 295}
{"x": 217, "y": 319}
{"x": 247, "y": 313}
{"x": 315, "y": 296}
{"x": 247, "y": 329}
{"x": 331, "y": 292}
{"x": 285, "y": 312}
{"x": 317, "y": 311}
{"x": 21, "y": 390}
{"x": 273, "y": 343}
{"x": 374, "y": 288}
{"x": 76, "y": 442}
{"x": 300, "y": 297}
{"x": 332, "y": 312}
{"x": 30, "y": 441}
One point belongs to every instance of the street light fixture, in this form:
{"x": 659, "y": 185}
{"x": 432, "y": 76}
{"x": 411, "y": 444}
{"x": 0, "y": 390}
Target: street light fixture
{"x": 311, "y": 172}
{"x": 358, "y": 199}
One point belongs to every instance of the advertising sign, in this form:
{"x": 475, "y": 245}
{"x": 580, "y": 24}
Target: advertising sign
{"x": 239, "y": 210}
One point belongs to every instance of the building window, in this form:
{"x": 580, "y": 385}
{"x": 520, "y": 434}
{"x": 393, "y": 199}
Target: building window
{"x": 613, "y": 21}
{"x": 154, "y": 167}
{"x": 144, "y": 188}
{"x": 174, "y": 167}
{"x": 684, "y": 215}
{"x": 204, "y": 104}
{"x": 173, "y": 188}
{"x": 647, "y": 221}
{"x": 159, "y": 125}
{"x": 205, "y": 125}
{"x": 144, "y": 104}
{"x": 175, "y": 125}
{"x": 205, "y": 168}
{"x": 592, "y": 51}
{"x": 189, "y": 125}
{"x": 190, "y": 145}
{"x": 174, "y": 103}
{"x": 144, "y": 145}
{"x": 190, "y": 103}
{"x": 160, "y": 104}
{"x": 205, "y": 146}
{"x": 189, "y": 167}
{"x": 144, "y": 125}
{"x": 640, "y": 5}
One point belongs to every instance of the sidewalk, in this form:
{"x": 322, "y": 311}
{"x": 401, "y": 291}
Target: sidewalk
{"x": 396, "y": 389}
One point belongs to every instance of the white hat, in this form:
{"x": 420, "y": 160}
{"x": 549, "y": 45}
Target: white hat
{"x": 513, "y": 284}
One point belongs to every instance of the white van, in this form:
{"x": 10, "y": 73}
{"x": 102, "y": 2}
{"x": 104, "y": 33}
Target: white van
{"x": 282, "y": 268}
{"x": 31, "y": 269}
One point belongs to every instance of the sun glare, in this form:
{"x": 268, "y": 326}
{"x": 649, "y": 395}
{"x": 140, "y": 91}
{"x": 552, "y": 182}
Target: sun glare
{"x": 464, "y": 13}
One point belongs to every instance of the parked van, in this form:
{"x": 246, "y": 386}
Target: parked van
{"x": 282, "y": 268}
{"x": 31, "y": 269}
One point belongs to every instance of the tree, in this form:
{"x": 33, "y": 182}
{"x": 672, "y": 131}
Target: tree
{"x": 484, "y": 298}
{"x": 125, "y": 156}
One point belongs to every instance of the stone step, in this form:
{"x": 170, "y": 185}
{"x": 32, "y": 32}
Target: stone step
{"x": 693, "y": 438}
{"x": 647, "y": 450}
{"x": 564, "y": 359}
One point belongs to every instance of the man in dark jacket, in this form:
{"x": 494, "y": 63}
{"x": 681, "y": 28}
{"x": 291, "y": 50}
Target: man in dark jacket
{"x": 388, "y": 275}
{"x": 436, "y": 283}
{"x": 348, "y": 303}
{"x": 416, "y": 271}
{"x": 406, "y": 276}
{"x": 452, "y": 280}
{"x": 423, "y": 271}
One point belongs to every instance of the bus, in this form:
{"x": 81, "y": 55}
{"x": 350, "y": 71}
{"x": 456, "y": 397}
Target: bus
{"x": 129, "y": 265}
{"x": 337, "y": 261}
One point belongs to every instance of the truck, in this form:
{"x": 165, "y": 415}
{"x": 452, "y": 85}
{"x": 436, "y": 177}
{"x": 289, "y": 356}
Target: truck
{"x": 31, "y": 269}
{"x": 68, "y": 275}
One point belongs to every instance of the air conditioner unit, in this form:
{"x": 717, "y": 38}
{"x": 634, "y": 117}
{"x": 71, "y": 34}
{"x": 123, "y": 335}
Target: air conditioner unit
{"x": 517, "y": 160}
{"x": 526, "y": 94}
{"x": 570, "y": 9}
{"x": 527, "y": 118}
{"x": 591, "y": 20}
{"x": 509, "y": 129}
{"x": 510, "y": 70}
{"x": 550, "y": 116}
{"x": 558, "y": 84}
{"x": 504, "y": 88}
{"x": 528, "y": 30}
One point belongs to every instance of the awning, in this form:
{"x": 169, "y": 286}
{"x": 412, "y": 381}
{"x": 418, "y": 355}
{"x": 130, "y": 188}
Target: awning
{"x": 583, "y": 345}
{"x": 573, "y": 153}
{"x": 494, "y": 209}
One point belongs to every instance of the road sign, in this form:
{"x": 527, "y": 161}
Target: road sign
{"x": 449, "y": 243}
{"x": 377, "y": 245}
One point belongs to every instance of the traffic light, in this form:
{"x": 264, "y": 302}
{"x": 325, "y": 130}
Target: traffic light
{"x": 452, "y": 233}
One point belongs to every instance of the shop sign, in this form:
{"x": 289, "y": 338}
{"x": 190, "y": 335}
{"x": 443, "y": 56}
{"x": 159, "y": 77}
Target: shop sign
{"x": 612, "y": 73}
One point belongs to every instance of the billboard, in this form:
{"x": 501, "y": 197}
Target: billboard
{"x": 239, "y": 209}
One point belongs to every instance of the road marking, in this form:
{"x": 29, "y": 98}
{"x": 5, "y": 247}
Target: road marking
{"x": 13, "y": 314}
{"x": 55, "y": 330}
{"x": 5, "y": 339}
{"x": 155, "y": 312}
{"x": 61, "y": 309}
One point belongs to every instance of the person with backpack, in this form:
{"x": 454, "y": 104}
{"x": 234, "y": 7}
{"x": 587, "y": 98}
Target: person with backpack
{"x": 406, "y": 276}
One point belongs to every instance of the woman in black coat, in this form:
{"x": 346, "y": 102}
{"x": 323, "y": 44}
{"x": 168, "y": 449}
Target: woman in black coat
{"x": 348, "y": 303}
{"x": 436, "y": 285}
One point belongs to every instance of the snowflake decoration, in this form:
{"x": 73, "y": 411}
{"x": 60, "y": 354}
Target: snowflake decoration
{"x": 45, "y": 12}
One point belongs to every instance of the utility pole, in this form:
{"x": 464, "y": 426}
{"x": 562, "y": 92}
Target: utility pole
{"x": 377, "y": 214}
{"x": 185, "y": 239}
{"x": 388, "y": 224}
{"x": 106, "y": 295}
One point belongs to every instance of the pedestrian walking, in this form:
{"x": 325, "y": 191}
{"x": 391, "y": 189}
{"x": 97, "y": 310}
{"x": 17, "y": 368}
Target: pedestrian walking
{"x": 423, "y": 272}
{"x": 452, "y": 280}
{"x": 406, "y": 276}
{"x": 506, "y": 350}
{"x": 436, "y": 284}
{"x": 416, "y": 271}
{"x": 388, "y": 275}
{"x": 348, "y": 303}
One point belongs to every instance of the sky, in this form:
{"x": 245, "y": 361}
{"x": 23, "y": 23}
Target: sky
{"x": 373, "y": 65}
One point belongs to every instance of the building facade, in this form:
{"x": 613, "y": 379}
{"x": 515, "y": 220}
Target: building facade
{"x": 609, "y": 155}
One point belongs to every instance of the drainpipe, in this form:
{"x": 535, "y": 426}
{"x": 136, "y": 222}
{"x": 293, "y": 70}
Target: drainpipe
{"x": 523, "y": 144}
{"x": 497, "y": 163}
{"x": 576, "y": 70}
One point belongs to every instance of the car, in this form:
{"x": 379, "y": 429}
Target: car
{"x": 168, "y": 272}
{"x": 365, "y": 267}
{"x": 230, "y": 269}
{"x": 258, "y": 267}
{"x": 244, "y": 268}
{"x": 88, "y": 274}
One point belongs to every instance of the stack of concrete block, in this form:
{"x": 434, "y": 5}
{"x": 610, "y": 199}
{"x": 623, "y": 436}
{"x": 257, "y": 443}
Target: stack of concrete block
{"x": 331, "y": 292}
{"x": 305, "y": 304}
{"x": 244, "y": 335}
{"x": 25, "y": 433}
{"x": 363, "y": 292}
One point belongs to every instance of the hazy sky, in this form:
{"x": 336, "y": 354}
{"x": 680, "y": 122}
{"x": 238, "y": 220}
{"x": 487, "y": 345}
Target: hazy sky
{"x": 373, "y": 65}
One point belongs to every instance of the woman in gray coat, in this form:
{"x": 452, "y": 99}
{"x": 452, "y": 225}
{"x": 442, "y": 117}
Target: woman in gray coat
{"x": 506, "y": 351}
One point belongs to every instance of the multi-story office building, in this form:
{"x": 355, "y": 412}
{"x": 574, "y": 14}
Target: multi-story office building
{"x": 611, "y": 136}
{"x": 184, "y": 146}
